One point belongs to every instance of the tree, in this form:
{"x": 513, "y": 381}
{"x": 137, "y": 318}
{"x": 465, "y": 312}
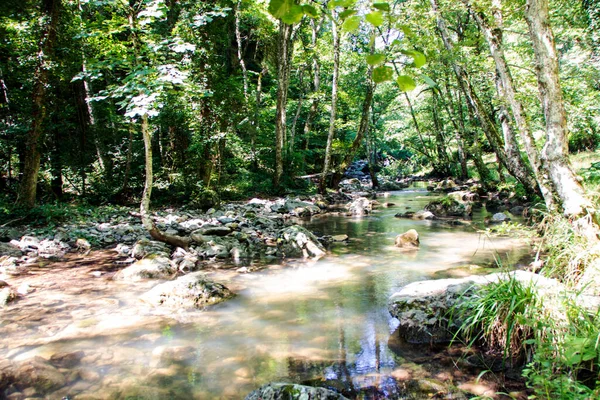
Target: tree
{"x": 29, "y": 178}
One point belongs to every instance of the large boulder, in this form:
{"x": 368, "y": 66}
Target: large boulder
{"x": 189, "y": 291}
{"x": 423, "y": 307}
{"x": 449, "y": 207}
{"x": 151, "y": 267}
{"x": 296, "y": 241}
{"x": 287, "y": 391}
{"x": 408, "y": 240}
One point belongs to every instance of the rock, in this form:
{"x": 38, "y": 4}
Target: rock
{"x": 145, "y": 247}
{"x": 82, "y": 244}
{"x": 7, "y": 295}
{"x": 464, "y": 196}
{"x": 339, "y": 238}
{"x": 352, "y": 185}
{"x": 188, "y": 263}
{"x": 285, "y": 391}
{"x": 29, "y": 242}
{"x": 449, "y": 207}
{"x": 7, "y": 249}
{"x": 420, "y": 215}
{"x": 517, "y": 210}
{"x": 151, "y": 267}
{"x": 39, "y": 374}
{"x": 423, "y": 307}
{"x": 213, "y": 230}
{"x": 123, "y": 249}
{"x": 296, "y": 241}
{"x": 188, "y": 291}
{"x": 447, "y": 185}
{"x": 408, "y": 240}
{"x": 66, "y": 360}
{"x": 25, "y": 289}
{"x": 164, "y": 356}
{"x": 360, "y": 206}
{"x": 500, "y": 217}
{"x": 3, "y": 284}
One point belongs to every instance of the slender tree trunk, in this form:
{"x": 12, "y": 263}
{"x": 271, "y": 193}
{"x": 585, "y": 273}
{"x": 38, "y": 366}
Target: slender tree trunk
{"x": 458, "y": 132}
{"x": 128, "y": 159}
{"x": 513, "y": 161}
{"x": 147, "y": 220}
{"x": 292, "y": 140}
{"x": 573, "y": 199}
{"x": 28, "y": 185}
{"x": 316, "y": 73}
{"x": 363, "y": 127}
{"x": 238, "y": 37}
{"x": 443, "y": 160}
{"x": 334, "y": 98}
{"x": 283, "y": 61}
{"x": 256, "y": 128}
{"x": 425, "y": 150}
{"x": 493, "y": 37}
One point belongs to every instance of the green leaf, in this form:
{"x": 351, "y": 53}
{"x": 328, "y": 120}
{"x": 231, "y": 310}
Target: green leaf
{"x": 310, "y": 11}
{"x": 345, "y": 14}
{"x": 340, "y": 3}
{"x": 406, "y": 83}
{"x": 407, "y": 31}
{"x": 294, "y": 15}
{"x": 380, "y": 5}
{"x": 375, "y": 18}
{"x": 279, "y": 8}
{"x": 375, "y": 59}
{"x": 382, "y": 74}
{"x": 351, "y": 24}
{"x": 418, "y": 57}
{"x": 430, "y": 82}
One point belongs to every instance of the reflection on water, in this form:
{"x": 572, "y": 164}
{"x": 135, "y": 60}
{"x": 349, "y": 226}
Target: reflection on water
{"x": 323, "y": 321}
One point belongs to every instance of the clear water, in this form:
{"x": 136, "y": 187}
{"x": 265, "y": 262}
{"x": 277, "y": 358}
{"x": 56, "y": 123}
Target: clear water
{"x": 296, "y": 321}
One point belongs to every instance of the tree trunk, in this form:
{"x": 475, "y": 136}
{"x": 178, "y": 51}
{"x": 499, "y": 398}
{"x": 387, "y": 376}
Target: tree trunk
{"x": 316, "y": 72}
{"x": 147, "y": 221}
{"x": 360, "y": 134}
{"x": 459, "y": 131}
{"x": 512, "y": 161}
{"x": 292, "y": 140}
{"x": 554, "y": 158}
{"x": 238, "y": 38}
{"x": 28, "y": 185}
{"x": 283, "y": 61}
{"x": 493, "y": 37}
{"x": 334, "y": 96}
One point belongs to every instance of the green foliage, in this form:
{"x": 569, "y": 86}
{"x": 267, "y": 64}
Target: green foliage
{"x": 583, "y": 141}
{"x": 499, "y": 314}
{"x": 406, "y": 83}
{"x": 382, "y": 74}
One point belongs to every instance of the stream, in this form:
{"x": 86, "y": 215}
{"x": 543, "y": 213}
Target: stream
{"x": 323, "y": 322}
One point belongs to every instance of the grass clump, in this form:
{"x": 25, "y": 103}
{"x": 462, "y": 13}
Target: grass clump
{"x": 498, "y": 316}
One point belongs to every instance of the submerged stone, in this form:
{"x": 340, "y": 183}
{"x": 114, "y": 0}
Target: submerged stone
{"x": 285, "y": 391}
{"x": 296, "y": 241}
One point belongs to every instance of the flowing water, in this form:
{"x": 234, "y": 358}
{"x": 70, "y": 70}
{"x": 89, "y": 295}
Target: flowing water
{"x": 317, "y": 321}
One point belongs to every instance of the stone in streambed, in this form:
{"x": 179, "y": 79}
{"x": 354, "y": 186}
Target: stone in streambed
{"x": 7, "y": 295}
{"x": 39, "y": 374}
{"x": 189, "y": 291}
{"x": 151, "y": 267}
{"x": 284, "y": 391}
{"x": 296, "y": 241}
{"x": 408, "y": 240}
{"x": 8, "y": 249}
{"x": 147, "y": 247}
